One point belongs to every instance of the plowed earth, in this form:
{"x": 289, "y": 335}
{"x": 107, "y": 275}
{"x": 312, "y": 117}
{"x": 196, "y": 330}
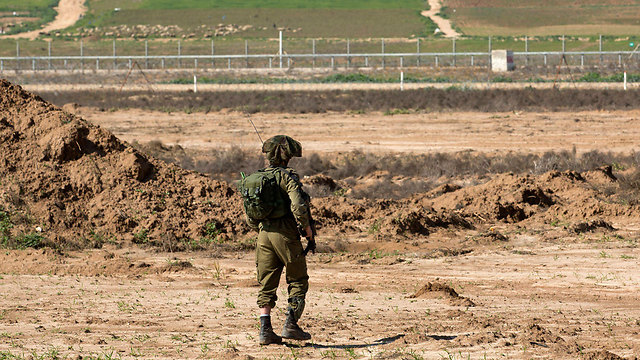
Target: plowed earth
{"x": 520, "y": 266}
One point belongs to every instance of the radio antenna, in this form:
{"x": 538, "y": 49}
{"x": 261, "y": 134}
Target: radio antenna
{"x": 256, "y": 129}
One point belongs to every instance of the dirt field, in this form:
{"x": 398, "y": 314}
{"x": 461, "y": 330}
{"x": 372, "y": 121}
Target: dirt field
{"x": 520, "y": 266}
{"x": 531, "y": 299}
{"x": 617, "y": 131}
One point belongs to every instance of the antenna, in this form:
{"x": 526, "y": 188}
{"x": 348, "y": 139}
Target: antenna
{"x": 256, "y": 129}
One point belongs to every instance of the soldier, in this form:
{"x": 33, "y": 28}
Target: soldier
{"x": 279, "y": 244}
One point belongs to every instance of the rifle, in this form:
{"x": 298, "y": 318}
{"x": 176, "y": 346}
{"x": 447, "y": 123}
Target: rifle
{"x": 311, "y": 242}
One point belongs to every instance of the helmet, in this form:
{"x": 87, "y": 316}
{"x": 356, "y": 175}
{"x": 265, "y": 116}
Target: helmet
{"x": 280, "y": 149}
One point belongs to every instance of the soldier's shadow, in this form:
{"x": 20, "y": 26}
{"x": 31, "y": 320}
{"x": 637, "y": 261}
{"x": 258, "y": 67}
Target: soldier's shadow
{"x": 383, "y": 341}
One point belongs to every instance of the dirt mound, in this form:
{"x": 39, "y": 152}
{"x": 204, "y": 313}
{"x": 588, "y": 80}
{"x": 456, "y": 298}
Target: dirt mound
{"x": 591, "y": 226}
{"x": 97, "y": 263}
{"x": 66, "y": 181}
{"x": 601, "y": 355}
{"x": 515, "y": 198}
{"x": 440, "y": 289}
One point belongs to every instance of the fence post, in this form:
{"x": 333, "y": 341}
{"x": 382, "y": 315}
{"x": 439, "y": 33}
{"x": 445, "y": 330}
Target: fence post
{"x": 383, "y": 53}
{"x": 179, "y": 54}
{"x": 114, "y": 55}
{"x": 490, "y": 49}
{"x": 229, "y": 63}
{"x": 349, "y": 52}
{"x": 600, "y": 49}
{"x": 213, "y": 53}
{"x": 418, "y": 52}
{"x": 97, "y": 64}
{"x": 162, "y": 63}
{"x": 333, "y": 63}
{"x": 280, "y": 49}
{"x": 17, "y": 55}
{"x": 313, "y": 46}
{"x": 526, "y": 50}
{"x": 619, "y": 60}
{"x": 436, "y": 60}
{"x": 401, "y": 62}
{"x": 82, "y": 55}
{"x": 146, "y": 54}
{"x": 49, "y": 52}
{"x": 246, "y": 54}
{"x": 471, "y": 60}
{"x": 454, "y": 52}
{"x": 582, "y": 60}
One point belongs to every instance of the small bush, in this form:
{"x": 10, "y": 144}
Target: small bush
{"x": 5, "y": 226}
{"x": 23, "y": 241}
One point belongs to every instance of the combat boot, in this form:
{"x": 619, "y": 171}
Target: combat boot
{"x": 267, "y": 336}
{"x": 291, "y": 330}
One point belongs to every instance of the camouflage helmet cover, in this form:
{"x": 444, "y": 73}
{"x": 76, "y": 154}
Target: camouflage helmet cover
{"x": 281, "y": 148}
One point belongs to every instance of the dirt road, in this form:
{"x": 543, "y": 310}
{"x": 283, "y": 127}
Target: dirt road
{"x": 69, "y": 11}
{"x": 443, "y": 24}
{"x": 415, "y": 132}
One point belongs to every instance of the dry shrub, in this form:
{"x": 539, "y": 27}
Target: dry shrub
{"x": 630, "y": 187}
{"x": 429, "y": 99}
{"x": 422, "y": 172}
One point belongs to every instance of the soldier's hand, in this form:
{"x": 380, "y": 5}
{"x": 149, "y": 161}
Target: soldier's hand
{"x": 309, "y": 233}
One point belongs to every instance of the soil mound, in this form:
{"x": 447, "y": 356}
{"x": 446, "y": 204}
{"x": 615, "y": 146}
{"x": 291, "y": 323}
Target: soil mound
{"x": 545, "y": 198}
{"x": 66, "y": 181}
{"x": 69, "y": 182}
{"x": 439, "y": 289}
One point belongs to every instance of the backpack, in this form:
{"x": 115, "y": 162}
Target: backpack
{"x": 263, "y": 198}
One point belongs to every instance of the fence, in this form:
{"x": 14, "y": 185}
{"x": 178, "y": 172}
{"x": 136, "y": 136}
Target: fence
{"x": 347, "y": 59}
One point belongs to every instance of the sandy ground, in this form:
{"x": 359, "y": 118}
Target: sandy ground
{"x": 443, "y": 24}
{"x": 69, "y": 11}
{"x": 426, "y": 132}
{"x": 531, "y": 300}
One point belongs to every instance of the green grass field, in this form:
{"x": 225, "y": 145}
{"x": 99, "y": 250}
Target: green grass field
{"x": 42, "y": 10}
{"x": 100, "y": 5}
{"x": 552, "y": 17}
{"x": 26, "y": 5}
{"x": 323, "y": 18}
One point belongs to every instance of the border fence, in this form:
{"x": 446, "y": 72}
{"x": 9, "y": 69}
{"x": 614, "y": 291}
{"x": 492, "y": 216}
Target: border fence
{"x": 281, "y": 59}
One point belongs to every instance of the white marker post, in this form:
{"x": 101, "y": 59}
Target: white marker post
{"x": 195, "y": 84}
{"x": 625, "y": 80}
{"x": 280, "y": 51}
{"x": 401, "y": 80}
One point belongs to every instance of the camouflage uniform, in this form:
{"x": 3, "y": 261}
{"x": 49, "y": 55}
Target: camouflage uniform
{"x": 279, "y": 246}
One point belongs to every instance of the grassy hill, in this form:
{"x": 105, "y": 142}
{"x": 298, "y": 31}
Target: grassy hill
{"x": 544, "y": 17}
{"x": 301, "y": 18}
{"x": 34, "y": 12}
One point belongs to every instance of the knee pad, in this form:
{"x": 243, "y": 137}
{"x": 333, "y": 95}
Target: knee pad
{"x": 297, "y": 305}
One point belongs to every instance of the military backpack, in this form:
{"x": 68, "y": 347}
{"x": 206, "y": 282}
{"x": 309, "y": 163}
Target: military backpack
{"x": 263, "y": 197}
